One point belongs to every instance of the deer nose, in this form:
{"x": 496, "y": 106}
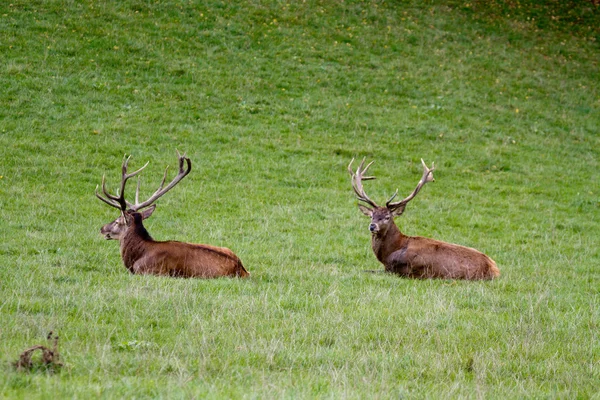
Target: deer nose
{"x": 373, "y": 227}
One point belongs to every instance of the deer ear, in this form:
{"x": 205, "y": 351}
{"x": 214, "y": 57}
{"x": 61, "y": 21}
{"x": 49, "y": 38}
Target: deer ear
{"x": 365, "y": 210}
{"x": 148, "y": 211}
{"x": 398, "y": 211}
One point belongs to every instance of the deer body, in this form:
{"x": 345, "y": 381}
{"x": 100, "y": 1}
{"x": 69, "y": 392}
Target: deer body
{"x": 143, "y": 255}
{"x": 420, "y": 257}
{"x": 416, "y": 256}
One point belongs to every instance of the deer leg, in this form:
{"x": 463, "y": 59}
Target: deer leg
{"x": 142, "y": 267}
{"x": 398, "y": 263}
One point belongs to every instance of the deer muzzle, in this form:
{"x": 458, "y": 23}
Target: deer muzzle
{"x": 374, "y": 228}
{"x": 106, "y": 231}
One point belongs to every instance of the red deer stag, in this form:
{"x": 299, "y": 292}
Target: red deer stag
{"x": 143, "y": 255}
{"x": 414, "y": 256}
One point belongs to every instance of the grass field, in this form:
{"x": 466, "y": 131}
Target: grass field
{"x": 271, "y": 100}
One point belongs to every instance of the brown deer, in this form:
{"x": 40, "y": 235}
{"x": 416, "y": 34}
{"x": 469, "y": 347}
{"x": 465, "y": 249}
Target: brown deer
{"x": 143, "y": 255}
{"x": 415, "y": 256}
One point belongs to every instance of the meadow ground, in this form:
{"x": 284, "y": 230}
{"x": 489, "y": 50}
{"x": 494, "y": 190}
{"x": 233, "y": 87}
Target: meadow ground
{"x": 271, "y": 100}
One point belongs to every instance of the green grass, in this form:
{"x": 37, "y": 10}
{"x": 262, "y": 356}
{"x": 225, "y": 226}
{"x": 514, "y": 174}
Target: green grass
{"x": 271, "y": 100}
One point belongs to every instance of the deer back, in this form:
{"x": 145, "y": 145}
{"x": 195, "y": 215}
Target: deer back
{"x": 143, "y": 255}
{"x": 422, "y": 257}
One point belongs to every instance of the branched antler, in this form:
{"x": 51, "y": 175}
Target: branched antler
{"x": 161, "y": 191}
{"x": 119, "y": 200}
{"x": 357, "y": 178}
{"x": 427, "y": 177}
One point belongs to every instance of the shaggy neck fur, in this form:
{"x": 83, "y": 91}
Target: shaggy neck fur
{"x": 134, "y": 242}
{"x": 385, "y": 243}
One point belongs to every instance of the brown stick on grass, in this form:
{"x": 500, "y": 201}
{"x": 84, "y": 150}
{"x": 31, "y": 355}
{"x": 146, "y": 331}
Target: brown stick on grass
{"x": 50, "y": 357}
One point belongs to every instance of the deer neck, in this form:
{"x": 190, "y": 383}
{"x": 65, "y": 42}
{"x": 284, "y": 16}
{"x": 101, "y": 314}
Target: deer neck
{"x": 134, "y": 244}
{"x": 387, "y": 242}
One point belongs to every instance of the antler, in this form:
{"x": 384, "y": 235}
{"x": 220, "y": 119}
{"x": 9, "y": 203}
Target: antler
{"x": 427, "y": 177}
{"x": 118, "y": 201}
{"x": 161, "y": 191}
{"x": 357, "y": 178}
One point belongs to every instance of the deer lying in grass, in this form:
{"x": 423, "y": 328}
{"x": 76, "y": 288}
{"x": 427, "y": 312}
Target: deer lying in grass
{"x": 414, "y": 256}
{"x": 143, "y": 255}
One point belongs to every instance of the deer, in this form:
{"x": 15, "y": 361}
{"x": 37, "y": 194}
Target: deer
{"x": 143, "y": 255}
{"x": 414, "y": 256}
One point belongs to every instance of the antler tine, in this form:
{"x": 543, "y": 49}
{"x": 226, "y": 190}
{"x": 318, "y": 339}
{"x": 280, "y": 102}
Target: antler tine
{"x": 162, "y": 183}
{"x": 108, "y": 201}
{"x": 125, "y": 176}
{"x": 393, "y": 197}
{"x": 119, "y": 200}
{"x": 161, "y": 191}
{"x": 108, "y": 195}
{"x": 356, "y": 180}
{"x": 427, "y": 177}
{"x": 137, "y": 190}
{"x": 137, "y": 193}
{"x": 114, "y": 201}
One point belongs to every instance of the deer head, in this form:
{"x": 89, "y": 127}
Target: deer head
{"x": 138, "y": 211}
{"x": 382, "y": 217}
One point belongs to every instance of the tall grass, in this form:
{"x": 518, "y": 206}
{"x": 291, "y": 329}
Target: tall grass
{"x": 271, "y": 100}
